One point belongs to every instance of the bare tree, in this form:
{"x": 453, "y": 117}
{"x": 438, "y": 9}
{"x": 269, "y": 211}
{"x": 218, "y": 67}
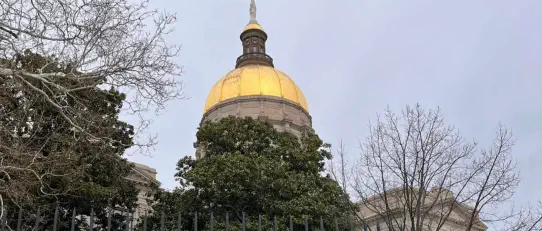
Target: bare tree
{"x": 526, "y": 219}
{"x": 53, "y": 53}
{"x": 338, "y": 170}
{"x": 417, "y": 173}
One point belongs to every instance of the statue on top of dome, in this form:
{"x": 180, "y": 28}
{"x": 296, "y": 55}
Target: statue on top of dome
{"x": 253, "y": 12}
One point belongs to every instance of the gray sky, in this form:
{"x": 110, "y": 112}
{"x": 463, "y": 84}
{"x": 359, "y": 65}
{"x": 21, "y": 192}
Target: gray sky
{"x": 480, "y": 61}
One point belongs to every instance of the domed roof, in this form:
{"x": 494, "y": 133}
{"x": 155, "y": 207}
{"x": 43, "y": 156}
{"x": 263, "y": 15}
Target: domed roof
{"x": 253, "y": 26}
{"x": 255, "y": 80}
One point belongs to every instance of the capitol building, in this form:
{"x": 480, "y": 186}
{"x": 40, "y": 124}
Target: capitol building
{"x": 255, "y": 88}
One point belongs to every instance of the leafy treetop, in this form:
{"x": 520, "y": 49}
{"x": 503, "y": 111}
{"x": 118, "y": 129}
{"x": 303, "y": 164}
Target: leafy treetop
{"x": 250, "y": 167}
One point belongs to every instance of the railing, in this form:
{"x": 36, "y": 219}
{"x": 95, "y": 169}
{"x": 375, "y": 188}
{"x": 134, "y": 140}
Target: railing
{"x": 40, "y": 222}
{"x": 255, "y": 56}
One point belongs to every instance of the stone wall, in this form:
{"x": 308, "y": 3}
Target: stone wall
{"x": 284, "y": 115}
{"x": 142, "y": 176}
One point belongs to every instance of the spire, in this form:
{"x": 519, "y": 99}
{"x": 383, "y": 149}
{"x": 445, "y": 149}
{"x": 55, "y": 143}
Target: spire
{"x": 253, "y": 38}
{"x": 253, "y": 12}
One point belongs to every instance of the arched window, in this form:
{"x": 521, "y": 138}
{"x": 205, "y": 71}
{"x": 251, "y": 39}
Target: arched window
{"x": 246, "y": 45}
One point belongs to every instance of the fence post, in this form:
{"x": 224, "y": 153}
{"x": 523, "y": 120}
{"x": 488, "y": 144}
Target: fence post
{"x": 244, "y": 226}
{"x": 291, "y": 224}
{"x": 20, "y": 219}
{"x": 259, "y": 222}
{"x": 37, "y": 225}
{"x": 145, "y": 221}
{"x": 127, "y": 226}
{"x": 196, "y": 222}
{"x": 306, "y": 224}
{"x": 227, "y": 221}
{"x": 212, "y": 222}
{"x": 162, "y": 222}
{"x": 321, "y": 224}
{"x": 73, "y": 220}
{"x": 91, "y": 226}
{"x": 275, "y": 228}
{"x": 109, "y": 214}
{"x": 179, "y": 224}
{"x": 336, "y": 225}
{"x": 4, "y": 220}
{"x": 55, "y": 221}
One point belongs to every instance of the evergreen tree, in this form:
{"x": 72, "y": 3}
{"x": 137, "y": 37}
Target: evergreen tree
{"x": 47, "y": 163}
{"x": 249, "y": 167}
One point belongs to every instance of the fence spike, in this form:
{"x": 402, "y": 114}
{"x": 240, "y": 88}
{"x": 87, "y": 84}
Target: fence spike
{"x": 212, "y": 222}
{"x": 37, "y": 224}
{"x": 306, "y": 224}
{"x": 179, "y": 223}
{"x": 132, "y": 220}
{"x": 196, "y": 222}
{"x": 73, "y": 220}
{"x": 4, "y": 219}
{"x": 55, "y": 221}
{"x": 336, "y": 224}
{"x": 127, "y": 226}
{"x": 244, "y": 227}
{"x": 321, "y": 224}
{"x": 20, "y": 219}
{"x": 91, "y": 226}
{"x": 109, "y": 214}
{"x": 350, "y": 224}
{"x": 291, "y": 224}
{"x": 365, "y": 227}
{"x": 275, "y": 228}
{"x": 227, "y": 221}
{"x": 378, "y": 226}
{"x": 145, "y": 221}
{"x": 259, "y": 222}
{"x": 162, "y": 222}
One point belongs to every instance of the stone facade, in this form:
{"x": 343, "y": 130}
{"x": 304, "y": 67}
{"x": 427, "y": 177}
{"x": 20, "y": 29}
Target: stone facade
{"x": 143, "y": 176}
{"x": 284, "y": 115}
{"x": 438, "y": 205}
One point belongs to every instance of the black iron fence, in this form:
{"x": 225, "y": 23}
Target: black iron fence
{"x": 142, "y": 223}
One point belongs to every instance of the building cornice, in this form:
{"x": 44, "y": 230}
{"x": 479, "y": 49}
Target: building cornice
{"x": 254, "y": 98}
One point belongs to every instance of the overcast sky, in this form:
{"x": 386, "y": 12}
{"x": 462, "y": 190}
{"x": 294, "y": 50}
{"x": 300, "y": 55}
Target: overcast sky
{"x": 480, "y": 61}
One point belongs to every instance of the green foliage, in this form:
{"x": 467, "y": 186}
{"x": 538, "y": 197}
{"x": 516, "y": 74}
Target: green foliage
{"x": 76, "y": 170}
{"x": 250, "y": 167}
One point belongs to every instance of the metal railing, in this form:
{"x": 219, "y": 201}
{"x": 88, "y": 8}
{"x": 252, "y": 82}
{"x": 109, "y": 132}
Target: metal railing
{"x": 255, "y": 56}
{"x": 127, "y": 224}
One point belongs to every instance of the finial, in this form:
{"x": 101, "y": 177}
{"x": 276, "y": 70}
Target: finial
{"x": 253, "y": 12}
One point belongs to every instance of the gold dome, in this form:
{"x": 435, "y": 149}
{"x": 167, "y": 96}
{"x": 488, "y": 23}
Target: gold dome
{"x": 254, "y": 80}
{"x": 253, "y": 26}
